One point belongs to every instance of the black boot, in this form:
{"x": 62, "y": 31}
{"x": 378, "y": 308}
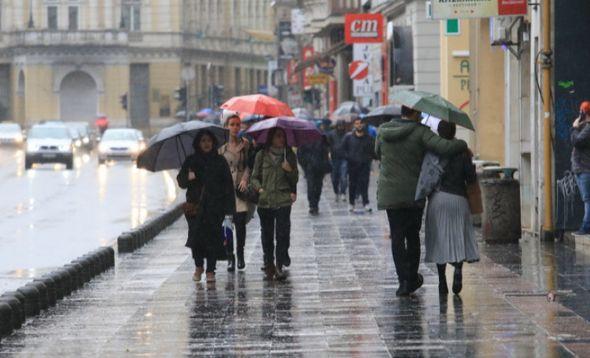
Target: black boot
{"x": 241, "y": 262}
{"x": 458, "y": 278}
{"x": 443, "y": 289}
{"x": 231, "y": 263}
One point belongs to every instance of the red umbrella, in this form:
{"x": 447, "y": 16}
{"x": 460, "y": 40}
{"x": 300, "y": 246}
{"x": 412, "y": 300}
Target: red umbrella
{"x": 298, "y": 131}
{"x": 258, "y": 104}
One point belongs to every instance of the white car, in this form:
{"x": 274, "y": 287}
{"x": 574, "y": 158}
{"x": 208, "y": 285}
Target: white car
{"x": 48, "y": 143}
{"x": 11, "y": 134}
{"x": 120, "y": 143}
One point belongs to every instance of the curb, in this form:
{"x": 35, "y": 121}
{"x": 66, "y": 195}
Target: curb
{"x": 45, "y": 291}
{"x": 132, "y": 240}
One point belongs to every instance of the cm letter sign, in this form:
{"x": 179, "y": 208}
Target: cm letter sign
{"x": 363, "y": 28}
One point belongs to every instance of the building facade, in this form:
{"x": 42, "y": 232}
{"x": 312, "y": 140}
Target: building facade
{"x": 74, "y": 59}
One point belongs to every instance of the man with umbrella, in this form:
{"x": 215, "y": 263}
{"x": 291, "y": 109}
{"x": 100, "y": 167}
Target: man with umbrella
{"x": 401, "y": 146}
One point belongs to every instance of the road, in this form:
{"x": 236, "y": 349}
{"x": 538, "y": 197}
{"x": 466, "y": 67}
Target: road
{"x": 50, "y": 215}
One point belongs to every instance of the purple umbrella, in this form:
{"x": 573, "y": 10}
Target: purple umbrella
{"x": 298, "y": 131}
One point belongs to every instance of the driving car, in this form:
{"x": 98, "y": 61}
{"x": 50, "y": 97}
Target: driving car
{"x": 76, "y": 136}
{"x": 86, "y": 135}
{"x": 120, "y": 143}
{"x": 11, "y": 134}
{"x": 49, "y": 143}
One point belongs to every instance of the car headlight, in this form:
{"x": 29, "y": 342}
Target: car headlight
{"x": 19, "y": 138}
{"x": 78, "y": 143}
{"x": 32, "y": 147}
{"x": 103, "y": 147}
{"x": 86, "y": 140}
{"x": 134, "y": 148}
{"x": 64, "y": 147}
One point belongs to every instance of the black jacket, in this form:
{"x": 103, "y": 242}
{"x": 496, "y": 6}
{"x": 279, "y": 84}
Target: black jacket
{"x": 580, "y": 138}
{"x": 314, "y": 157}
{"x": 458, "y": 172}
{"x": 358, "y": 150}
{"x": 335, "y": 139}
{"x": 213, "y": 190}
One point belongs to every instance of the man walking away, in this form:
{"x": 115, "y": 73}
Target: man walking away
{"x": 580, "y": 137}
{"x": 315, "y": 161}
{"x": 339, "y": 164}
{"x": 358, "y": 147}
{"x": 401, "y": 145}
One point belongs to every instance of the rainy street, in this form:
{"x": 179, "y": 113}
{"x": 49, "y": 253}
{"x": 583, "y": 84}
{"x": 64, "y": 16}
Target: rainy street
{"x": 51, "y": 215}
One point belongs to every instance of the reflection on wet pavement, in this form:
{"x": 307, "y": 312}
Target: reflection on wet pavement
{"x": 339, "y": 300}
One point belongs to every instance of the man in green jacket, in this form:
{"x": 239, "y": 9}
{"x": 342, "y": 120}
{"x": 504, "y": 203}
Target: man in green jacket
{"x": 401, "y": 145}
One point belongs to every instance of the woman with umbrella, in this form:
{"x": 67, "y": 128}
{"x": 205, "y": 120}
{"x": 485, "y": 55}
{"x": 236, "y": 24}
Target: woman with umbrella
{"x": 210, "y": 197}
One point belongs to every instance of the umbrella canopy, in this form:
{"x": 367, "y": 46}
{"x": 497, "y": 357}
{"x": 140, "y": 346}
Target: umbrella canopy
{"x": 349, "y": 107}
{"x": 435, "y": 105}
{"x": 302, "y": 113}
{"x": 383, "y": 114}
{"x": 252, "y": 118}
{"x": 298, "y": 131}
{"x": 169, "y": 148}
{"x": 205, "y": 112}
{"x": 258, "y": 104}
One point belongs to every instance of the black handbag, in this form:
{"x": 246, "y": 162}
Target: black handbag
{"x": 249, "y": 195}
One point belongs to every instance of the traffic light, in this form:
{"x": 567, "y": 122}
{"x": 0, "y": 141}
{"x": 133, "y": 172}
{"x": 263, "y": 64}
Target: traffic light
{"x": 180, "y": 96}
{"x": 123, "y": 101}
{"x": 217, "y": 95}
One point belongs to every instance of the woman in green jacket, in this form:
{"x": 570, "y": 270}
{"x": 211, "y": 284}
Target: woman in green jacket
{"x": 275, "y": 177}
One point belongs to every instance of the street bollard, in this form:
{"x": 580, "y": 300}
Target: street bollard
{"x": 43, "y": 296}
{"x": 68, "y": 283}
{"x": 31, "y": 295}
{"x": 76, "y": 274}
{"x": 17, "y": 310}
{"x": 21, "y": 299}
{"x": 50, "y": 286}
{"x": 83, "y": 269}
{"x": 58, "y": 283}
{"x": 111, "y": 255}
{"x": 501, "y": 199}
{"x": 5, "y": 319}
{"x": 124, "y": 242}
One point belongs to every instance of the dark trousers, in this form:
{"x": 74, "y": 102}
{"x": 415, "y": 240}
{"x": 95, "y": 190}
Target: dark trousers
{"x": 240, "y": 225}
{"x": 200, "y": 261}
{"x": 404, "y": 225}
{"x": 339, "y": 176}
{"x": 315, "y": 181}
{"x": 279, "y": 221}
{"x": 358, "y": 175}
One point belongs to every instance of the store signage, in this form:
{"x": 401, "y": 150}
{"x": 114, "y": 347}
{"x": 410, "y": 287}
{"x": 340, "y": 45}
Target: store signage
{"x": 358, "y": 70}
{"x": 453, "y": 9}
{"x": 318, "y": 79}
{"x": 363, "y": 28}
{"x": 306, "y": 54}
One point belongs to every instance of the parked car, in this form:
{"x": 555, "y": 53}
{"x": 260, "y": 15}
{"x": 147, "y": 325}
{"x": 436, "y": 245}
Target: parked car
{"x": 11, "y": 134}
{"x": 120, "y": 143}
{"x": 86, "y": 136}
{"x": 49, "y": 143}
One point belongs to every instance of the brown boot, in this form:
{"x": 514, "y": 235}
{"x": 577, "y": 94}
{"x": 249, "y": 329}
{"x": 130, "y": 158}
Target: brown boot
{"x": 198, "y": 274}
{"x": 210, "y": 276}
{"x": 269, "y": 272}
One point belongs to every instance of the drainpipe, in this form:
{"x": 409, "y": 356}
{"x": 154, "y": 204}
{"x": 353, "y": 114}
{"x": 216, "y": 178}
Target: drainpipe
{"x": 547, "y": 66}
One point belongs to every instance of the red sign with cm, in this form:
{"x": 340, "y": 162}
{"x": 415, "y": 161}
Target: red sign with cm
{"x": 363, "y": 28}
{"x": 512, "y": 7}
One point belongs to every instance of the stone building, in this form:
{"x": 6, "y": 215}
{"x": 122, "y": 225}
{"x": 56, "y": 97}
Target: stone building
{"x": 74, "y": 59}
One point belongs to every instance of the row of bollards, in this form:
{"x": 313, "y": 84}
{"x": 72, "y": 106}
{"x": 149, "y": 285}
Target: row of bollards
{"x": 132, "y": 240}
{"x": 44, "y": 292}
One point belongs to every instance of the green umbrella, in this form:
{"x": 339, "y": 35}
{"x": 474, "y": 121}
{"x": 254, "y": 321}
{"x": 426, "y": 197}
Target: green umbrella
{"x": 434, "y": 105}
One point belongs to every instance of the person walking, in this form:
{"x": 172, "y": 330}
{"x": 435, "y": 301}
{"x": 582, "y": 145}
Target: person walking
{"x": 450, "y": 237}
{"x": 237, "y": 153}
{"x": 210, "y": 192}
{"x": 275, "y": 177}
{"x": 359, "y": 150}
{"x": 401, "y": 145}
{"x": 314, "y": 158}
{"x": 338, "y": 158}
{"x": 580, "y": 159}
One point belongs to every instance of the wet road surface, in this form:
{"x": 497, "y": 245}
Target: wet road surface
{"x": 50, "y": 215}
{"x": 339, "y": 300}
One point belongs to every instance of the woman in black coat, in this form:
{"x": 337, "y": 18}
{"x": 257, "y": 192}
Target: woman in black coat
{"x": 209, "y": 184}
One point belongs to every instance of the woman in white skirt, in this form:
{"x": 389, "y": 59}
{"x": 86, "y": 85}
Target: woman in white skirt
{"x": 450, "y": 237}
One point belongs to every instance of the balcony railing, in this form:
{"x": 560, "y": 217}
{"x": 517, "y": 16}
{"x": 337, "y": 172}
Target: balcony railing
{"x": 65, "y": 37}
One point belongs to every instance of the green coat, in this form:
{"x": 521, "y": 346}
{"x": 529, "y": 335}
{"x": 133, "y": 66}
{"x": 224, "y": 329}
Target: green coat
{"x": 278, "y": 185}
{"x": 401, "y": 145}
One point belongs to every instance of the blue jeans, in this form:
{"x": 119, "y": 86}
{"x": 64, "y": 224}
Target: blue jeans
{"x": 583, "y": 180}
{"x": 339, "y": 176}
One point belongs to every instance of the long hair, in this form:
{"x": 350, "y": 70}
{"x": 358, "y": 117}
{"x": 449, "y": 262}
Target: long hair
{"x": 197, "y": 141}
{"x": 271, "y": 134}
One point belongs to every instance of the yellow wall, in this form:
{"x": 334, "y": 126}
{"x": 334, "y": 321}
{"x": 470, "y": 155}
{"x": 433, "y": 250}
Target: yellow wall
{"x": 487, "y": 92}
{"x": 116, "y": 83}
{"x": 41, "y": 101}
{"x": 164, "y": 79}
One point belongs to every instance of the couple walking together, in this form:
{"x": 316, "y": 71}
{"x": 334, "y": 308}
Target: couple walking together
{"x": 218, "y": 179}
{"x": 401, "y": 147}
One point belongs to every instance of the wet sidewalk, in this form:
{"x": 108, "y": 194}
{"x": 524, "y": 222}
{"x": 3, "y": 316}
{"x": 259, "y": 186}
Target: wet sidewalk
{"x": 339, "y": 300}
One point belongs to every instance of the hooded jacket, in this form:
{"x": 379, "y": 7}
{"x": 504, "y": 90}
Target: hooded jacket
{"x": 580, "y": 158}
{"x": 401, "y": 145}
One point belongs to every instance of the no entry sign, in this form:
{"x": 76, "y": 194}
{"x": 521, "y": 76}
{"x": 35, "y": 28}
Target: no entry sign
{"x": 358, "y": 70}
{"x": 363, "y": 28}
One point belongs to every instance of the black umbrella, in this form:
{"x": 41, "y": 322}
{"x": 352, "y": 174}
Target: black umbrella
{"x": 169, "y": 148}
{"x": 383, "y": 114}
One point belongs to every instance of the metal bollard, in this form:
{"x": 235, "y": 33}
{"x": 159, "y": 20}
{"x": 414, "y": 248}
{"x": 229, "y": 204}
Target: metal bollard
{"x": 21, "y": 299}
{"x": 43, "y": 296}
{"x": 17, "y": 310}
{"x": 50, "y": 286}
{"x": 501, "y": 199}
{"x": 5, "y": 319}
{"x": 31, "y": 295}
